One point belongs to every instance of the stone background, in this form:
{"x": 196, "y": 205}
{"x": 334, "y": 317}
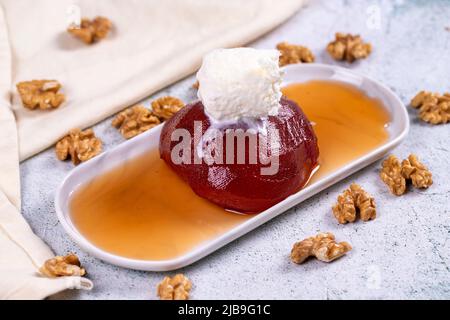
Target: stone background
{"x": 404, "y": 253}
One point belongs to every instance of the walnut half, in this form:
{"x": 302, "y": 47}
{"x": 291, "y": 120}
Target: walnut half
{"x": 90, "y": 31}
{"x": 391, "y": 174}
{"x": 134, "y": 121}
{"x": 41, "y": 94}
{"x": 176, "y": 288}
{"x": 62, "y": 266}
{"x": 291, "y": 54}
{"x": 165, "y": 107}
{"x": 322, "y": 246}
{"x": 433, "y": 107}
{"x": 353, "y": 200}
{"x": 416, "y": 171}
{"x": 395, "y": 174}
{"x": 348, "y": 47}
{"x": 196, "y": 85}
{"x": 79, "y": 145}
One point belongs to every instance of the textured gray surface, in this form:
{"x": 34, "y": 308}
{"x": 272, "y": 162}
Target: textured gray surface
{"x": 404, "y": 253}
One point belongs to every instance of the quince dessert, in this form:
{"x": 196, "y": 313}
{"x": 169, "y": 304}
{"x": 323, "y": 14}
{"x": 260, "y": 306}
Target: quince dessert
{"x": 242, "y": 146}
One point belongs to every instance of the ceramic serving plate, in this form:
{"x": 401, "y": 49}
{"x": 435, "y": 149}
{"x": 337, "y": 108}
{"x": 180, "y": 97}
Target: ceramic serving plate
{"x": 149, "y": 140}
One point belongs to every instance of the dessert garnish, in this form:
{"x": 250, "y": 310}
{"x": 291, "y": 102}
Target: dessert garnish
{"x": 176, "y": 288}
{"x": 90, "y": 31}
{"x": 348, "y": 47}
{"x": 323, "y": 246}
{"x": 352, "y": 201}
{"x": 396, "y": 175}
{"x": 40, "y": 94}
{"x": 79, "y": 145}
{"x": 134, "y": 121}
{"x": 196, "y": 85}
{"x": 242, "y": 146}
{"x": 433, "y": 107}
{"x": 60, "y": 266}
{"x": 165, "y": 107}
{"x": 291, "y": 53}
{"x": 240, "y": 83}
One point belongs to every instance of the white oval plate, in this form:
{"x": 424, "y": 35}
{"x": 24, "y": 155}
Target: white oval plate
{"x": 398, "y": 130}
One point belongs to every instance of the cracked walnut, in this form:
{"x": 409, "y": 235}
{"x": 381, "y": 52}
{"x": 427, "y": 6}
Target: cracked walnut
{"x": 416, "y": 171}
{"x": 322, "y": 246}
{"x": 353, "y": 200}
{"x": 291, "y": 54}
{"x": 41, "y": 94}
{"x": 433, "y": 107}
{"x": 348, "y": 47}
{"x": 90, "y": 31}
{"x": 79, "y": 145}
{"x": 176, "y": 288}
{"x": 134, "y": 121}
{"x": 196, "y": 85}
{"x": 395, "y": 174}
{"x": 62, "y": 266}
{"x": 165, "y": 107}
{"x": 391, "y": 174}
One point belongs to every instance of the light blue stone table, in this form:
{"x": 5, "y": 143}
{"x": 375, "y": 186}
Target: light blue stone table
{"x": 404, "y": 253}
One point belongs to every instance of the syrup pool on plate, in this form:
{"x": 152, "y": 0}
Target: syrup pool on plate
{"x": 143, "y": 210}
{"x": 347, "y": 122}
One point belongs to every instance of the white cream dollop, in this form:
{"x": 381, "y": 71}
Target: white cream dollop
{"x": 240, "y": 83}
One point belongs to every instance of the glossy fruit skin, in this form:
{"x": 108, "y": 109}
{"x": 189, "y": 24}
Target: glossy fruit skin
{"x": 241, "y": 187}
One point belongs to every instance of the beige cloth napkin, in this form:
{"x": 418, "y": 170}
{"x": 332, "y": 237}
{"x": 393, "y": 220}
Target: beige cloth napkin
{"x": 153, "y": 44}
{"x": 21, "y": 251}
